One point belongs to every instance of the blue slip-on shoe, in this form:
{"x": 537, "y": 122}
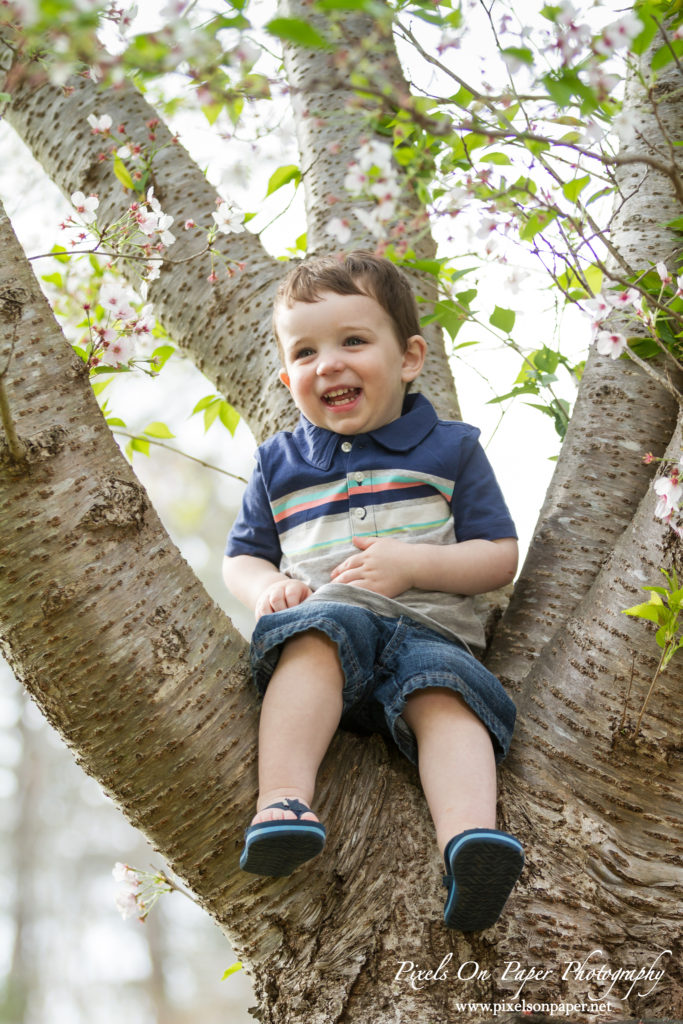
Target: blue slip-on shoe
{"x": 277, "y": 848}
{"x": 483, "y": 865}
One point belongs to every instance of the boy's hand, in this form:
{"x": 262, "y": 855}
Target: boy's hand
{"x": 382, "y": 565}
{"x": 282, "y": 594}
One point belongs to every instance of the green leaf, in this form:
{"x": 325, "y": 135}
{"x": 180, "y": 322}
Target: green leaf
{"x": 282, "y": 176}
{"x": 122, "y": 173}
{"x": 137, "y": 444}
{"x": 293, "y": 30}
{"x": 157, "y": 429}
{"x": 496, "y": 158}
{"x": 114, "y": 421}
{"x": 56, "y": 279}
{"x": 666, "y": 54}
{"x": 161, "y": 356}
{"x": 211, "y": 111}
{"x": 204, "y": 403}
{"x": 343, "y": 5}
{"x": 647, "y": 34}
{"x": 503, "y": 319}
{"x": 654, "y": 610}
{"x": 536, "y": 222}
{"x": 229, "y": 417}
{"x": 520, "y": 53}
{"x": 232, "y": 970}
{"x": 60, "y": 253}
{"x": 573, "y": 189}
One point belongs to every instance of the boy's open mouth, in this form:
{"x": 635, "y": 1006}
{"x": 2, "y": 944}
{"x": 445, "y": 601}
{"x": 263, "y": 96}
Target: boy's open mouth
{"x": 340, "y": 396}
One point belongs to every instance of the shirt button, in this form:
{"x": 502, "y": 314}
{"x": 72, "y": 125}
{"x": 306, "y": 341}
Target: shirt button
{"x": 346, "y": 446}
{"x": 360, "y": 513}
{"x": 359, "y": 477}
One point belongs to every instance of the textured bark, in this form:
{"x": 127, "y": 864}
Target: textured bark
{"x": 113, "y": 636}
{"x": 620, "y": 412}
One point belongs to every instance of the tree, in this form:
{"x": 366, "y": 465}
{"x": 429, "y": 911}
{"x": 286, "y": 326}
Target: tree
{"x": 111, "y": 633}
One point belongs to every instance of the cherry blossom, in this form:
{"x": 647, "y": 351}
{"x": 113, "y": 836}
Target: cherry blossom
{"x": 374, "y": 154}
{"x": 120, "y": 351}
{"x": 628, "y": 297}
{"x": 116, "y": 300}
{"x": 619, "y": 33}
{"x": 100, "y": 124}
{"x": 356, "y": 179}
{"x": 669, "y": 491}
{"x": 339, "y": 228}
{"x": 85, "y": 206}
{"x": 664, "y": 275}
{"x": 599, "y": 308}
{"x": 228, "y": 220}
{"x": 611, "y": 344}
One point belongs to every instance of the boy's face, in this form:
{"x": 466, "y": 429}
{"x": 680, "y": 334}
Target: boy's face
{"x": 343, "y": 363}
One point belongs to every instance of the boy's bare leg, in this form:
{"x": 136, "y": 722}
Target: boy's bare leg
{"x": 300, "y": 714}
{"x": 456, "y": 762}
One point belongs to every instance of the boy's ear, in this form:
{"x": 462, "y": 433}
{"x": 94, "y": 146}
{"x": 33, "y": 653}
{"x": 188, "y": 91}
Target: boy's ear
{"x": 284, "y": 377}
{"x": 413, "y": 357}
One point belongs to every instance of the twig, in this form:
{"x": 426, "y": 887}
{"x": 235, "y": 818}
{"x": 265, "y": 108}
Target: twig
{"x": 177, "y": 451}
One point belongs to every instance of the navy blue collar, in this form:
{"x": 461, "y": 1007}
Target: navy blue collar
{"x": 318, "y": 446}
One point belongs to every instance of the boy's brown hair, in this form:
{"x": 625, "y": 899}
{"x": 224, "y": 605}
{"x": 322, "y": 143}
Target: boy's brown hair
{"x": 355, "y": 273}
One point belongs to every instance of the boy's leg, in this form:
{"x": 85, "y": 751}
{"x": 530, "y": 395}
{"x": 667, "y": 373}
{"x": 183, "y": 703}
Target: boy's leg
{"x": 301, "y": 710}
{"x": 458, "y": 773}
{"x": 456, "y": 762}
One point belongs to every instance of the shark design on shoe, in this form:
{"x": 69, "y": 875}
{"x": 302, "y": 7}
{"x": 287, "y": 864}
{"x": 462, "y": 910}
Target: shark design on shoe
{"x": 276, "y": 848}
{"x": 483, "y": 865}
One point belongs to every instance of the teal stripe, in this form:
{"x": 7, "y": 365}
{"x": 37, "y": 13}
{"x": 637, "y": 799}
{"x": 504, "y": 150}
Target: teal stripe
{"x": 339, "y": 541}
{"x": 305, "y": 497}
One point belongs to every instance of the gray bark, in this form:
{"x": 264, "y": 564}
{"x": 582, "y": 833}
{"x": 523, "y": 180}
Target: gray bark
{"x": 115, "y": 639}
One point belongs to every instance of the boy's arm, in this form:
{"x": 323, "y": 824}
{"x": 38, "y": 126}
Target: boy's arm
{"x": 390, "y": 567}
{"x": 259, "y": 585}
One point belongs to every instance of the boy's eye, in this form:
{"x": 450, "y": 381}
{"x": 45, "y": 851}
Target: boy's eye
{"x": 354, "y": 340}
{"x": 303, "y": 353}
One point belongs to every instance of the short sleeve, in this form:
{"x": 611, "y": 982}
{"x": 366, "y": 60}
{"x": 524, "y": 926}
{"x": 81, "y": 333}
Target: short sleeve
{"x": 479, "y": 509}
{"x": 254, "y": 531}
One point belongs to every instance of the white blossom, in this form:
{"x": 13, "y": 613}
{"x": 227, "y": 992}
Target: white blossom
{"x": 228, "y": 220}
{"x": 85, "y": 206}
{"x": 100, "y": 123}
{"x": 339, "y": 228}
{"x": 610, "y": 343}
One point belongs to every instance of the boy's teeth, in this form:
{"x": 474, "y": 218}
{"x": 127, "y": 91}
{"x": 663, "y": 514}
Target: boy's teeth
{"x": 341, "y": 393}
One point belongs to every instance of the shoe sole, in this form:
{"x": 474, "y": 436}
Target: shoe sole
{"x": 485, "y": 870}
{"x": 278, "y": 849}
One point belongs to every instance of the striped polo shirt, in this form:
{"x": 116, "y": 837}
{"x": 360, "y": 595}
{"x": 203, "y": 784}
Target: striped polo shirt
{"x": 418, "y": 479}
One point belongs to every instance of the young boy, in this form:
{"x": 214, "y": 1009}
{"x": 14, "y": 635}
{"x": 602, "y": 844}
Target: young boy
{"x": 361, "y": 537}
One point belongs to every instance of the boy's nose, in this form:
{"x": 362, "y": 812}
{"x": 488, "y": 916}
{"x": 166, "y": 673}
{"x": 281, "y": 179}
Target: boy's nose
{"x": 328, "y": 364}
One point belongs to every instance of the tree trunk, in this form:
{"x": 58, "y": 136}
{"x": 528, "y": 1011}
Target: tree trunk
{"x": 115, "y": 639}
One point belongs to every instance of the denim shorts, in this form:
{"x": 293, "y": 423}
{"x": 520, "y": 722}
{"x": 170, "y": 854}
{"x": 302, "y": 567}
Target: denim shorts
{"x": 384, "y": 660}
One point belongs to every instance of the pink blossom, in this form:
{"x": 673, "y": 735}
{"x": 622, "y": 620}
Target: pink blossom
{"x": 599, "y": 308}
{"x": 610, "y": 344}
{"x": 626, "y": 298}
{"x": 100, "y": 124}
{"x": 356, "y": 179}
{"x": 374, "y": 154}
{"x": 116, "y": 300}
{"x": 664, "y": 275}
{"x": 120, "y": 351}
{"x": 339, "y": 228}
{"x": 127, "y": 904}
{"x": 228, "y": 220}
{"x": 85, "y": 206}
{"x": 669, "y": 492}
